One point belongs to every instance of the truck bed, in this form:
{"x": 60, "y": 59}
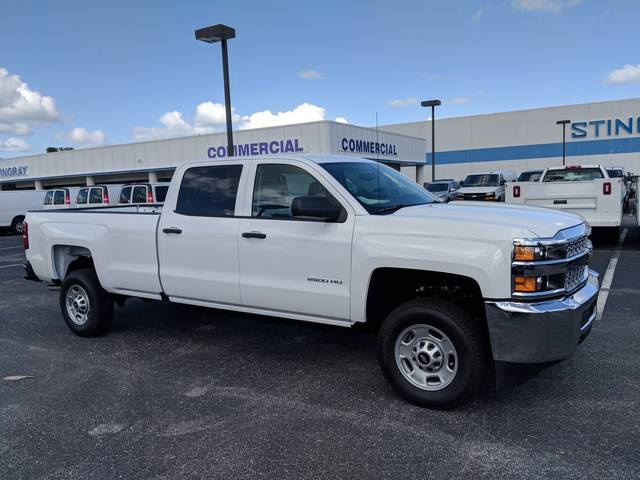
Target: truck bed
{"x": 121, "y": 241}
{"x": 584, "y": 198}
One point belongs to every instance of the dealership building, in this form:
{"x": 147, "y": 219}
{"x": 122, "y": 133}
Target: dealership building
{"x": 605, "y": 133}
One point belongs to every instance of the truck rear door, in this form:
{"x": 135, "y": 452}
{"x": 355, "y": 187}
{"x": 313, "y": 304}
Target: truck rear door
{"x": 198, "y": 239}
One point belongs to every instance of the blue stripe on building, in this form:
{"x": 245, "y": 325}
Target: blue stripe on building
{"x": 541, "y": 150}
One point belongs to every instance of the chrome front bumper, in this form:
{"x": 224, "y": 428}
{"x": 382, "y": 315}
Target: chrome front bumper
{"x": 544, "y": 331}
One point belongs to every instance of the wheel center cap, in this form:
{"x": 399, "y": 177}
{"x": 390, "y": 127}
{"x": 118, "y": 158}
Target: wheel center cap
{"x": 424, "y": 358}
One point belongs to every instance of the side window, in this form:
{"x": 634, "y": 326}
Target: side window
{"x": 48, "y": 198}
{"x": 125, "y": 194}
{"x": 58, "y": 197}
{"x": 209, "y": 191}
{"x": 95, "y": 195}
{"x": 82, "y": 195}
{"x": 161, "y": 193}
{"x": 139, "y": 194}
{"x": 276, "y": 187}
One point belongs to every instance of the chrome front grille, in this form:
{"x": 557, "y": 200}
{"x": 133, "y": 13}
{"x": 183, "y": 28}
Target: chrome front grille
{"x": 578, "y": 246}
{"x": 574, "y": 277}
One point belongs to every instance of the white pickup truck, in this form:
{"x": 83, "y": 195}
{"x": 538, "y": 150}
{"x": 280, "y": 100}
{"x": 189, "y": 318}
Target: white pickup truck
{"x": 462, "y": 295}
{"x": 586, "y": 190}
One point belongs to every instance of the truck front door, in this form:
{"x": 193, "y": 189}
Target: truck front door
{"x": 198, "y": 239}
{"x": 292, "y": 264}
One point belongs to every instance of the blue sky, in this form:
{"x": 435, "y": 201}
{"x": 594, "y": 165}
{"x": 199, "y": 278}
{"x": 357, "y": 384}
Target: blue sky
{"x": 108, "y": 72}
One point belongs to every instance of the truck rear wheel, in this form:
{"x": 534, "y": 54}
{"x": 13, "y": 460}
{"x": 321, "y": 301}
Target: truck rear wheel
{"x": 16, "y": 225}
{"x": 433, "y": 353}
{"x": 86, "y": 306}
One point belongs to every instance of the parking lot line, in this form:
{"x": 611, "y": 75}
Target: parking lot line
{"x": 11, "y": 248}
{"x": 12, "y": 265}
{"x": 608, "y": 275}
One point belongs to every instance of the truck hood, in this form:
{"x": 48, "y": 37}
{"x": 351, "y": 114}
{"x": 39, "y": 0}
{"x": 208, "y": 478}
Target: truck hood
{"x": 478, "y": 189}
{"x": 541, "y": 222}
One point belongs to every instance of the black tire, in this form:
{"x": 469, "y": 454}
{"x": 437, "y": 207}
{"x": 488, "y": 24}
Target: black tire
{"x": 467, "y": 337}
{"x": 100, "y": 303}
{"x": 613, "y": 234}
{"x": 16, "y": 225}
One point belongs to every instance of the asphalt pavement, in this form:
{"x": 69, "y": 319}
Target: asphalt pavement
{"x": 181, "y": 392}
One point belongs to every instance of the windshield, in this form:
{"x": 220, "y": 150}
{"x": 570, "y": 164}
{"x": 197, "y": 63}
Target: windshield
{"x": 613, "y": 173}
{"x": 438, "y": 187}
{"x": 378, "y": 188}
{"x": 485, "y": 180}
{"x": 532, "y": 176}
{"x": 573, "y": 174}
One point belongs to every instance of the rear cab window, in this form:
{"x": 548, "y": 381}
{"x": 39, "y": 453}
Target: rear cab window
{"x": 125, "y": 195}
{"x": 573, "y": 174}
{"x": 209, "y": 191}
{"x": 161, "y": 193}
{"x": 82, "y": 196}
{"x": 95, "y": 195}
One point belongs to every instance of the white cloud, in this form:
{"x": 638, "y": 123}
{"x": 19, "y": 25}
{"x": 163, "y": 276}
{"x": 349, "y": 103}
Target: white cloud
{"x": 210, "y": 118}
{"x": 21, "y": 108}
{"x": 459, "y": 100}
{"x": 554, "y": 6}
{"x": 627, "y": 74}
{"x": 479, "y": 13}
{"x": 341, "y": 120}
{"x": 402, "y": 102}
{"x": 13, "y": 144}
{"x": 84, "y": 138}
{"x": 305, "y": 112}
{"x": 310, "y": 75}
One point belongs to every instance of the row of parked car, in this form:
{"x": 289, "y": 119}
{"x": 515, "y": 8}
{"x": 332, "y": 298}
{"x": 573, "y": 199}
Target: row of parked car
{"x": 15, "y": 204}
{"x": 67, "y": 197}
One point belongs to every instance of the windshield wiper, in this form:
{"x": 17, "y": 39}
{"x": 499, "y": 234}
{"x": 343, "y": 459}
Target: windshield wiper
{"x": 395, "y": 208}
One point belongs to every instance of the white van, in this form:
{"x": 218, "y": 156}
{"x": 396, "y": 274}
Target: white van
{"x": 143, "y": 193}
{"x": 14, "y": 205}
{"x": 486, "y": 186}
{"x": 97, "y": 195}
{"x": 59, "y": 197}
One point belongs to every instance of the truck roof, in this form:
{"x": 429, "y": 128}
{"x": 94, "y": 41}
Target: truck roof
{"x": 574, "y": 166}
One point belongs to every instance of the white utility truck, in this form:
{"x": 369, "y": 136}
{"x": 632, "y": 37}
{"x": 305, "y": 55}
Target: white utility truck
{"x": 583, "y": 189}
{"x": 14, "y": 205}
{"x": 462, "y": 295}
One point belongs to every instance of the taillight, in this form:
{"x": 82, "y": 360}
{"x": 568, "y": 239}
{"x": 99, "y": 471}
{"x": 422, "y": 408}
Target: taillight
{"x": 149, "y": 196}
{"x": 67, "y": 198}
{"x": 606, "y": 188}
{"x": 25, "y": 235}
{"x": 516, "y": 191}
{"x": 105, "y": 195}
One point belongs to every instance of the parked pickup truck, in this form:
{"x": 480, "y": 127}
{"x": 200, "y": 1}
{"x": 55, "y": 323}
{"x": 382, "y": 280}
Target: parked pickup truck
{"x": 586, "y": 190}
{"x": 462, "y": 295}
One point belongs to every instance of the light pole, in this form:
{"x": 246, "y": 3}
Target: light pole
{"x": 433, "y": 104}
{"x": 564, "y": 124}
{"x": 222, "y": 33}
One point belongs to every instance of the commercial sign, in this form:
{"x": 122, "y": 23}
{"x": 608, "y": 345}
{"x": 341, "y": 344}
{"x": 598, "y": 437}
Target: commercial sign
{"x": 273, "y": 147}
{"x": 366, "y": 146}
{"x": 19, "y": 171}
{"x": 606, "y": 128}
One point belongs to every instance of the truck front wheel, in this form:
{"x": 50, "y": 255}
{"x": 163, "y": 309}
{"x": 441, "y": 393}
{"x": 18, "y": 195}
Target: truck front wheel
{"x": 86, "y": 306}
{"x": 433, "y": 353}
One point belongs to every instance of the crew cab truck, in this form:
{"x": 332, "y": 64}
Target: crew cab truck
{"x": 462, "y": 295}
{"x": 583, "y": 189}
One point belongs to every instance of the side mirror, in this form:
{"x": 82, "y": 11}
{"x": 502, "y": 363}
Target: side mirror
{"x": 502, "y": 183}
{"x": 316, "y": 207}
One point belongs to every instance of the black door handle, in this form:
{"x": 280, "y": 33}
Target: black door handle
{"x": 254, "y": 235}
{"x": 177, "y": 231}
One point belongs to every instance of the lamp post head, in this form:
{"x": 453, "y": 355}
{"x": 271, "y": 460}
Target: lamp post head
{"x": 563, "y": 122}
{"x": 430, "y": 103}
{"x": 215, "y": 33}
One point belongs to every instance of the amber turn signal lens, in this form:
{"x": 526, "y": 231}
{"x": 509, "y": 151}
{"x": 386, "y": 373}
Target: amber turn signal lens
{"x": 524, "y": 254}
{"x": 524, "y": 284}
